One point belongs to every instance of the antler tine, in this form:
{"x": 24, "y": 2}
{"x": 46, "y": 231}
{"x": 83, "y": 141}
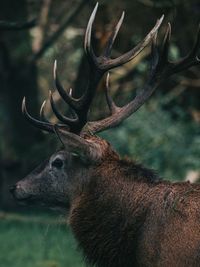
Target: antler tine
{"x": 186, "y": 62}
{"x": 113, "y": 63}
{"x": 87, "y": 41}
{"x": 62, "y": 118}
{"x": 70, "y": 92}
{"x": 42, "y": 115}
{"x": 121, "y": 113}
{"x": 73, "y": 113}
{"x": 37, "y": 123}
{"x": 72, "y": 102}
{"x": 113, "y": 36}
{"x": 111, "y": 104}
{"x": 161, "y": 68}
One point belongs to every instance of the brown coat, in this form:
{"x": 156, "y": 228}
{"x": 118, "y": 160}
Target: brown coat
{"x": 128, "y": 217}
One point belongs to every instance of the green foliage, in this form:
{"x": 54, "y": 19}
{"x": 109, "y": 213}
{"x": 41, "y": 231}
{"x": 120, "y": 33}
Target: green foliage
{"x": 37, "y": 244}
{"x": 153, "y": 137}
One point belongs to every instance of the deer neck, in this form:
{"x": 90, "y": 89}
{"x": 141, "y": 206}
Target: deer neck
{"x": 107, "y": 217}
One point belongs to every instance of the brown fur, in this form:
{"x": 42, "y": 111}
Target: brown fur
{"x": 127, "y": 216}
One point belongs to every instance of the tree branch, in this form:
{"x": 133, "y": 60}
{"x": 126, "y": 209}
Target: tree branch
{"x": 41, "y": 29}
{"x": 57, "y": 34}
{"x": 16, "y": 26}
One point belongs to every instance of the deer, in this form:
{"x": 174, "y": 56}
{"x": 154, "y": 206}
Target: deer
{"x": 121, "y": 213}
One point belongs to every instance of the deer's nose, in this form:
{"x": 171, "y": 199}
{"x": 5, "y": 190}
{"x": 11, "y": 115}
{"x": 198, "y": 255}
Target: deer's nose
{"x": 12, "y": 188}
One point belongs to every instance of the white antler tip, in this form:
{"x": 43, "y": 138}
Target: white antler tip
{"x": 42, "y": 107}
{"x": 162, "y": 17}
{"x": 24, "y": 104}
{"x": 54, "y": 68}
{"x": 96, "y": 6}
{"x": 44, "y": 103}
{"x": 70, "y": 92}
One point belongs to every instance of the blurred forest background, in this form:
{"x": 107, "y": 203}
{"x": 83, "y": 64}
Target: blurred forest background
{"x": 164, "y": 134}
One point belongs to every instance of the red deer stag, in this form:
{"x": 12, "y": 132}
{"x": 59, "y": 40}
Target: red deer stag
{"x": 121, "y": 213}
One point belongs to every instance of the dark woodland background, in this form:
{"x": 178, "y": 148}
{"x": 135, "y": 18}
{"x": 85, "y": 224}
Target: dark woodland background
{"x": 164, "y": 134}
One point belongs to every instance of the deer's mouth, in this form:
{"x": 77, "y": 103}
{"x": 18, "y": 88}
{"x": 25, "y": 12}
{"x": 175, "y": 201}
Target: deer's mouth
{"x": 20, "y": 195}
{"x": 23, "y": 199}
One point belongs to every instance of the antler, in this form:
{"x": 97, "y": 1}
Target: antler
{"x": 98, "y": 66}
{"x": 161, "y": 68}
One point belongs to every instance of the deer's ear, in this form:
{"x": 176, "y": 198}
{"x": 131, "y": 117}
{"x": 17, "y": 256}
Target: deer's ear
{"x": 87, "y": 151}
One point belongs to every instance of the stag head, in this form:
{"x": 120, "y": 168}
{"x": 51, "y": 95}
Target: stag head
{"x": 58, "y": 180}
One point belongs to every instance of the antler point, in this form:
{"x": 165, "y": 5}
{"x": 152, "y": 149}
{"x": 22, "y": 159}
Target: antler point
{"x": 87, "y": 41}
{"x": 54, "y": 68}
{"x": 162, "y": 17}
{"x": 159, "y": 21}
{"x": 107, "y": 79}
{"x": 42, "y": 109}
{"x": 23, "y": 104}
{"x": 70, "y": 91}
{"x": 44, "y": 103}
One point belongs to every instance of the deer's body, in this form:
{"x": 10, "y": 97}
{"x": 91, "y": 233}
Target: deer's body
{"x": 127, "y": 217}
{"x": 122, "y": 214}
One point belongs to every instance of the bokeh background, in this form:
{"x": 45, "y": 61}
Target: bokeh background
{"x": 164, "y": 134}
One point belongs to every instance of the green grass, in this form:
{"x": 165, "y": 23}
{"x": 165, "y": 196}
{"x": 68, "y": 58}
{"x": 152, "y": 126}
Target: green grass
{"x": 40, "y": 241}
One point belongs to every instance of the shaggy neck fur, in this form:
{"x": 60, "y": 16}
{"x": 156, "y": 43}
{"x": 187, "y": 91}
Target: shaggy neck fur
{"x": 102, "y": 214}
{"x": 109, "y": 218}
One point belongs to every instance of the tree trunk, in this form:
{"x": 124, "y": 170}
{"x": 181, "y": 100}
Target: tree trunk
{"x": 17, "y": 78}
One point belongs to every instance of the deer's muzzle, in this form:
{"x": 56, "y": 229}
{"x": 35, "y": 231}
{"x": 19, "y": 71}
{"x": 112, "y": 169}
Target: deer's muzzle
{"x": 19, "y": 193}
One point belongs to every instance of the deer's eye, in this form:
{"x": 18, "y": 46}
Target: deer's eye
{"x": 58, "y": 163}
